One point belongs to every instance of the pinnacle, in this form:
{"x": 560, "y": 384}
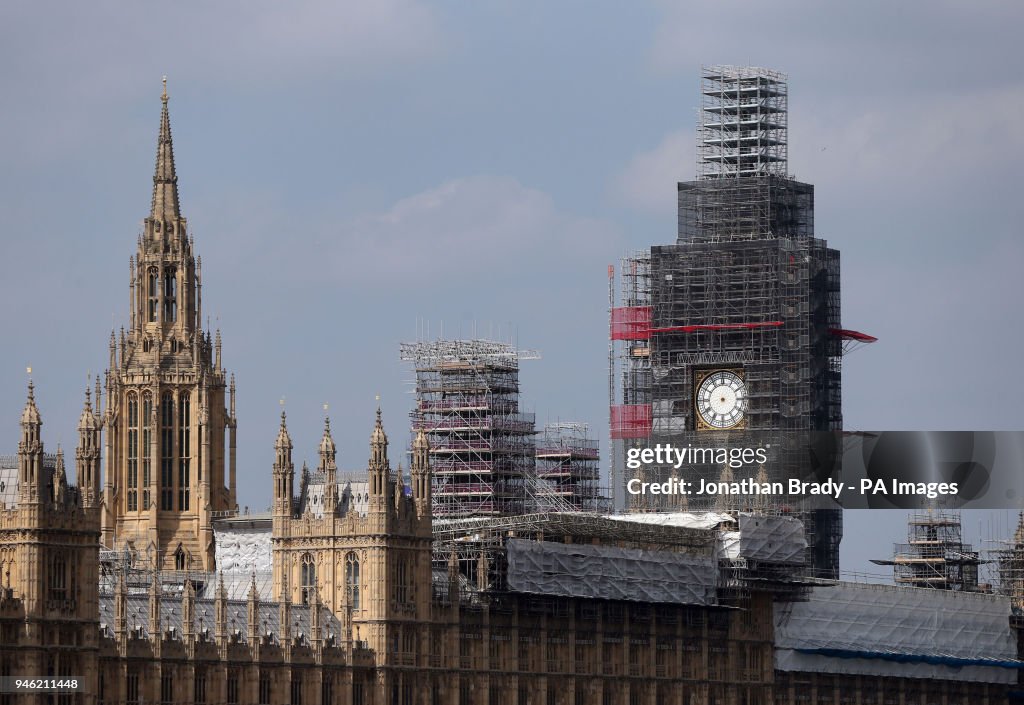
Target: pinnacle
{"x": 165, "y": 179}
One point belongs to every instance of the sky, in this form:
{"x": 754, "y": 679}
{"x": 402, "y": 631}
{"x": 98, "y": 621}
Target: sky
{"x": 357, "y": 174}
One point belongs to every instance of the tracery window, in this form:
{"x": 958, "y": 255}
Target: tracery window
{"x": 133, "y": 453}
{"x": 352, "y": 579}
{"x": 308, "y": 581}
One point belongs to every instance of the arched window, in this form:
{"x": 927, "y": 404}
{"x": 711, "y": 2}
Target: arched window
{"x": 147, "y": 441}
{"x": 167, "y": 452}
{"x": 180, "y": 559}
{"x": 352, "y": 579}
{"x": 170, "y": 294}
{"x": 184, "y": 448}
{"x": 58, "y": 577}
{"x": 132, "y": 496}
{"x": 401, "y": 580}
{"x": 153, "y": 292}
{"x": 308, "y": 578}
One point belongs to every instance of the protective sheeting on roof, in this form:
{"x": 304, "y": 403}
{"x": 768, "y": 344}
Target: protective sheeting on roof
{"x": 729, "y": 545}
{"x": 772, "y": 539}
{"x": 883, "y": 630}
{"x": 611, "y": 573}
{"x": 689, "y": 520}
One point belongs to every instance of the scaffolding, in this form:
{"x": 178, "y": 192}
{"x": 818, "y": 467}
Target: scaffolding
{"x": 481, "y": 444}
{"x": 568, "y": 476}
{"x": 1008, "y": 564}
{"x": 731, "y": 554}
{"x": 746, "y": 288}
{"x": 743, "y": 122}
{"x": 935, "y": 555}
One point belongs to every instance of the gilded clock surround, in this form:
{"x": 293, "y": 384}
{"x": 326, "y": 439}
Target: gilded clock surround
{"x": 698, "y": 379}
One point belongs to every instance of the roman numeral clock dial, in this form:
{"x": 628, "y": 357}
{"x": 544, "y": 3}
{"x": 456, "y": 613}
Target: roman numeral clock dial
{"x": 721, "y": 400}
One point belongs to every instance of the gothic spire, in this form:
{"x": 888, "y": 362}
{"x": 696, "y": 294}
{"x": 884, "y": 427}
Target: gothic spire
{"x": 327, "y": 447}
{"x": 284, "y": 441}
{"x": 165, "y": 180}
{"x": 30, "y": 415}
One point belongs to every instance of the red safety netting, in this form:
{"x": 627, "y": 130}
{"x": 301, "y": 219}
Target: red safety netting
{"x": 631, "y": 323}
{"x": 631, "y": 421}
{"x": 717, "y": 326}
{"x": 852, "y": 339}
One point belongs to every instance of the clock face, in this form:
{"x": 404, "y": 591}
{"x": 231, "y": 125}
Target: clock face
{"x": 721, "y": 399}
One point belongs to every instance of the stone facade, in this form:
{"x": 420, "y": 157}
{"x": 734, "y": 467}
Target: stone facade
{"x": 166, "y": 393}
{"x": 360, "y": 609}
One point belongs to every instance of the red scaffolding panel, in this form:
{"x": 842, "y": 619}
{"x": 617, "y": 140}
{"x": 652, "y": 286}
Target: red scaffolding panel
{"x": 631, "y": 323}
{"x": 631, "y": 421}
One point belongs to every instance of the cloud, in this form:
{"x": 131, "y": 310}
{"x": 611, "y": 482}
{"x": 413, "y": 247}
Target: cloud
{"x": 475, "y": 228}
{"x": 647, "y": 183}
{"x": 63, "y": 76}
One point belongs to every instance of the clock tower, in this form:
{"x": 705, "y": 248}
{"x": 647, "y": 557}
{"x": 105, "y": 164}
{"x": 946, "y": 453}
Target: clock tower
{"x": 732, "y": 334}
{"x": 170, "y": 403}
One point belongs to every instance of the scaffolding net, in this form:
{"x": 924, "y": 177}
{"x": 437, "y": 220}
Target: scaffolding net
{"x": 881, "y": 630}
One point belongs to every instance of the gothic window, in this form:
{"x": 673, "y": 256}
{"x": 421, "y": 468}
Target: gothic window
{"x": 352, "y": 579}
{"x": 133, "y": 453}
{"x": 153, "y": 293}
{"x": 402, "y": 580}
{"x": 58, "y": 577}
{"x": 167, "y": 452}
{"x": 147, "y": 440}
{"x": 180, "y": 559}
{"x": 167, "y": 687}
{"x": 170, "y": 294}
{"x": 184, "y": 448}
{"x": 199, "y": 687}
{"x": 308, "y": 578}
{"x": 233, "y": 687}
{"x": 264, "y": 695}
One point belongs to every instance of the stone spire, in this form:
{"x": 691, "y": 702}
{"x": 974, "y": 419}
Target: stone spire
{"x": 30, "y": 451}
{"x": 420, "y": 474}
{"x": 284, "y": 472}
{"x": 328, "y": 449}
{"x": 379, "y": 470}
{"x": 165, "y": 179}
{"x": 253, "y": 615}
{"x": 87, "y": 455}
{"x": 60, "y": 479}
{"x": 329, "y": 467}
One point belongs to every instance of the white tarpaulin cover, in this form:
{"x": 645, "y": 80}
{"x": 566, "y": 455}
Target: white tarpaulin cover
{"x": 729, "y": 545}
{"x": 241, "y": 552}
{"x": 772, "y": 539}
{"x": 611, "y": 573}
{"x": 895, "y": 631}
{"x": 689, "y": 520}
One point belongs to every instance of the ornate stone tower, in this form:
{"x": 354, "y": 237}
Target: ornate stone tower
{"x": 166, "y": 392}
{"x": 49, "y": 560}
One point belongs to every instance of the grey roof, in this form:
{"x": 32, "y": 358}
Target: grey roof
{"x": 237, "y": 617}
{"x": 9, "y": 477}
{"x": 353, "y": 495}
{"x": 8, "y": 484}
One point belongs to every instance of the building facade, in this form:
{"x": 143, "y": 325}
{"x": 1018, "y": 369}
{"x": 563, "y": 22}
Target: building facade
{"x": 169, "y": 401}
{"x": 371, "y": 600}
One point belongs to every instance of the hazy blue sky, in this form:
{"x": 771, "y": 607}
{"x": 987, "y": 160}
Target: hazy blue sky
{"x": 350, "y": 168}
